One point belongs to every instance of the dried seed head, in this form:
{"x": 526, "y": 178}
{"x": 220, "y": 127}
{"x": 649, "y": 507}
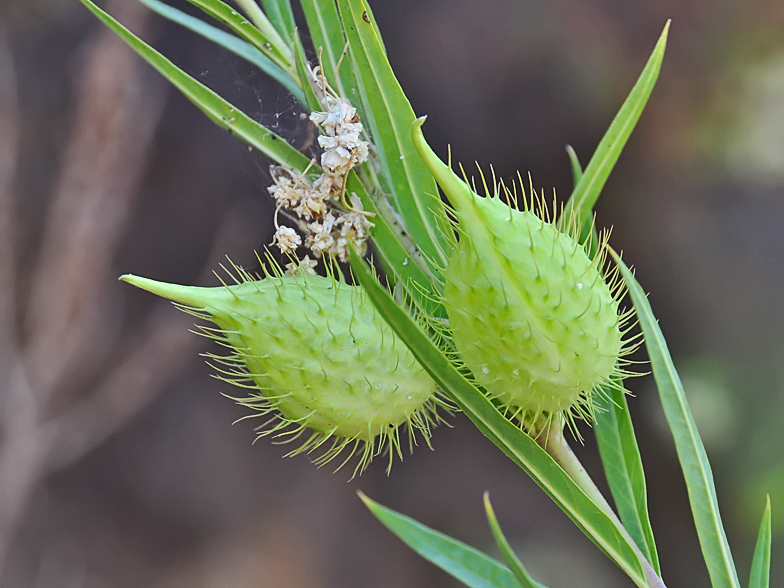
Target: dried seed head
{"x": 286, "y": 239}
{"x": 321, "y": 208}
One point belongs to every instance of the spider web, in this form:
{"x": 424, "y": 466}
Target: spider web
{"x": 264, "y": 100}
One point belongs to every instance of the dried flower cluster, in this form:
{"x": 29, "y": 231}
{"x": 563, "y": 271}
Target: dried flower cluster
{"x": 323, "y": 215}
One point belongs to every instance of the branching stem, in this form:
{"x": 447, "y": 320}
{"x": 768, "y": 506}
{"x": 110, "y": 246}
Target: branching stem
{"x": 261, "y": 22}
{"x": 552, "y": 440}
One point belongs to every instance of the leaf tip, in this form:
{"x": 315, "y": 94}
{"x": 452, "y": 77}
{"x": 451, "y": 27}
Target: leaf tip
{"x": 369, "y": 503}
{"x": 491, "y": 519}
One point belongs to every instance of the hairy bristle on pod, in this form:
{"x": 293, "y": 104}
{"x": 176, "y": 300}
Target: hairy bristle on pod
{"x": 532, "y": 313}
{"x": 315, "y": 356}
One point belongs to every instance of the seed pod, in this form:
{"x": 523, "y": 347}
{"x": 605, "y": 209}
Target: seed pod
{"x": 315, "y": 353}
{"x": 530, "y": 313}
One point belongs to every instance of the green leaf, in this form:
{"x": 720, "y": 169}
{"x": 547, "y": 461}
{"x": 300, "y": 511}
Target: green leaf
{"x": 511, "y": 559}
{"x": 392, "y": 252}
{"x": 414, "y": 192}
{"x": 624, "y": 471}
{"x": 245, "y": 29}
{"x": 230, "y": 42}
{"x": 760, "y": 565}
{"x": 220, "y": 111}
{"x": 372, "y": 20}
{"x": 577, "y": 169}
{"x": 691, "y": 451}
{"x": 595, "y": 175}
{"x": 470, "y": 566}
{"x": 326, "y": 32}
{"x": 520, "y": 448}
{"x": 256, "y": 15}
{"x": 281, "y": 16}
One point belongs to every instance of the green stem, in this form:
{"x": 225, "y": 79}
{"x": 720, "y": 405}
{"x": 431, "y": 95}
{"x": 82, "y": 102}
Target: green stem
{"x": 261, "y": 22}
{"x": 554, "y": 443}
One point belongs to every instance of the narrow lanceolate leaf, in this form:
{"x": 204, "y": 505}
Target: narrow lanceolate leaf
{"x": 390, "y": 250}
{"x": 374, "y": 24}
{"x": 326, "y": 32}
{"x": 245, "y": 29}
{"x": 691, "y": 451}
{"x": 281, "y": 17}
{"x": 760, "y": 565}
{"x": 220, "y": 111}
{"x": 520, "y": 448}
{"x": 470, "y": 566}
{"x": 230, "y": 42}
{"x": 389, "y": 114}
{"x": 510, "y": 557}
{"x": 598, "y": 170}
{"x": 625, "y": 475}
{"x": 577, "y": 169}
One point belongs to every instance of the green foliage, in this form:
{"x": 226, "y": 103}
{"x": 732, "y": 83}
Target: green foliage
{"x": 760, "y": 565}
{"x": 511, "y": 559}
{"x": 220, "y": 111}
{"x": 413, "y": 241}
{"x": 327, "y": 34}
{"x": 510, "y": 438}
{"x": 412, "y": 188}
{"x": 231, "y": 42}
{"x": 591, "y": 182}
{"x": 624, "y": 471}
{"x": 691, "y": 451}
{"x": 281, "y": 16}
{"x": 236, "y": 22}
{"x": 465, "y": 563}
{"x": 311, "y": 100}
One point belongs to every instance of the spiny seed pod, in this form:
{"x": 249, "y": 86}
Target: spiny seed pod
{"x": 316, "y": 354}
{"x": 530, "y": 313}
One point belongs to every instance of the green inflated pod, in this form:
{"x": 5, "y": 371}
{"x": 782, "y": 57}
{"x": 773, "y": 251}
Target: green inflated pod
{"x": 313, "y": 352}
{"x": 532, "y": 315}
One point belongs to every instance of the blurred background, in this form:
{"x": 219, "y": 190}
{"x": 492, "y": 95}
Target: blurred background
{"x": 119, "y": 466}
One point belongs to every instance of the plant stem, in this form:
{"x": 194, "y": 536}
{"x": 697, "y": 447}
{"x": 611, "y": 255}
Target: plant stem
{"x": 552, "y": 440}
{"x": 261, "y": 22}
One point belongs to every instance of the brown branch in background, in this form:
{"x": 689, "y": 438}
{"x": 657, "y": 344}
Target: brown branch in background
{"x": 9, "y": 146}
{"x": 51, "y": 411}
{"x": 115, "y": 117}
{"x": 162, "y": 350}
{"x": 17, "y": 407}
{"x": 117, "y": 111}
